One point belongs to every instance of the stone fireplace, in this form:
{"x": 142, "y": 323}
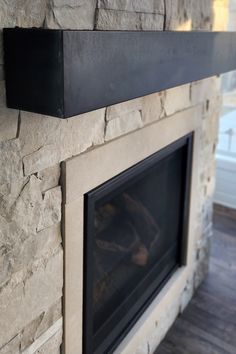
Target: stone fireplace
{"x": 50, "y": 169}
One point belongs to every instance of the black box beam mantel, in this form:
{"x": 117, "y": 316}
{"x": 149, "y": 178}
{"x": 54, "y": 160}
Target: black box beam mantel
{"x": 63, "y": 73}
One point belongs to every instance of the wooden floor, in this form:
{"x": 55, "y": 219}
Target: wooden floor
{"x": 208, "y": 325}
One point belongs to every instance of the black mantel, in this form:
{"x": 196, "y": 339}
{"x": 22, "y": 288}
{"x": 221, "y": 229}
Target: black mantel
{"x": 63, "y": 73}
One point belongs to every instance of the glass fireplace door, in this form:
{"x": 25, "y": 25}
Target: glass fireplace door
{"x": 134, "y": 227}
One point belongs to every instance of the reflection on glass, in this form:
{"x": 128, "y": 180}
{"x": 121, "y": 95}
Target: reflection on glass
{"x": 132, "y": 235}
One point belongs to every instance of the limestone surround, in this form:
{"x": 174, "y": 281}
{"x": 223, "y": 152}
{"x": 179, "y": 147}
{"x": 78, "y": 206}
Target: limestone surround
{"x": 32, "y": 148}
{"x": 89, "y": 170}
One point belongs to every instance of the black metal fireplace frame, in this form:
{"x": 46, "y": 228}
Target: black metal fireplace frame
{"x": 111, "y": 187}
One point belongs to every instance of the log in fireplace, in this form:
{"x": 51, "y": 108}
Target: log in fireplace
{"x": 135, "y": 231}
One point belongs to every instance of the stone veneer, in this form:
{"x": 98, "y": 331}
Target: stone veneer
{"x": 32, "y": 147}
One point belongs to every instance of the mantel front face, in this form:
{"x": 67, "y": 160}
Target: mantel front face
{"x": 65, "y": 73}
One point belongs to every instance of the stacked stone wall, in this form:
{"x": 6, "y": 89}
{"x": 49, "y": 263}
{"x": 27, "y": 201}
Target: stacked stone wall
{"x": 32, "y": 147}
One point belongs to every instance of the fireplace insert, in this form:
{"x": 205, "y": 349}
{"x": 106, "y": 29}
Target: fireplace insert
{"x": 135, "y": 235}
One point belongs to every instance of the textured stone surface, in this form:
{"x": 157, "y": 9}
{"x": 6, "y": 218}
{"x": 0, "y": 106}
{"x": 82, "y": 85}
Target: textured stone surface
{"x": 152, "y": 107}
{"x": 29, "y": 293}
{"x": 202, "y": 15}
{"x": 49, "y": 177}
{"x": 10, "y": 161}
{"x": 52, "y": 346}
{"x": 123, "y": 20}
{"x": 122, "y": 125}
{"x": 13, "y": 347}
{"x": 187, "y": 294}
{"x": 46, "y": 131}
{"x": 45, "y": 157}
{"x": 176, "y": 99}
{"x": 178, "y": 14}
{"x": 71, "y": 14}
{"x": 64, "y": 138}
{"x": 21, "y": 253}
{"x": 83, "y": 132}
{"x": 51, "y": 211}
{"x": 159, "y": 328}
{"x": 9, "y": 193}
{"x": 21, "y": 343}
{"x": 189, "y": 14}
{"x": 55, "y": 140}
{"x": 22, "y": 13}
{"x": 204, "y": 90}
{"x": 149, "y": 6}
{"x": 203, "y": 252}
{"x": 123, "y": 108}
{"x": 26, "y": 209}
{"x": 36, "y": 328}
{"x": 8, "y": 117}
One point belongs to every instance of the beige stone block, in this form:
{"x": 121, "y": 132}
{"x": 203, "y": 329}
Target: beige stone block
{"x": 40, "y": 325}
{"x": 27, "y": 208}
{"x": 204, "y": 90}
{"x": 51, "y": 209}
{"x": 152, "y": 107}
{"x": 37, "y": 131}
{"x": 13, "y": 347}
{"x": 202, "y": 15}
{"x": 83, "y": 131}
{"x": 49, "y": 177}
{"x": 159, "y": 328}
{"x": 52, "y": 346}
{"x": 123, "y": 108}
{"x": 203, "y": 252}
{"x": 123, "y": 125}
{"x": 8, "y": 117}
{"x": 178, "y": 14}
{"x": 187, "y": 294}
{"x": 45, "y": 157}
{"x": 5, "y": 265}
{"x": 212, "y": 106}
{"x": 10, "y": 161}
{"x": 9, "y": 193}
{"x": 210, "y": 128}
{"x": 145, "y": 6}
{"x": 23, "y": 253}
{"x": 189, "y": 14}
{"x": 123, "y": 20}
{"x": 22, "y": 13}
{"x": 71, "y": 14}
{"x": 20, "y": 243}
{"x": 45, "y": 141}
{"x": 28, "y": 294}
{"x": 9, "y": 232}
{"x": 151, "y": 22}
{"x": 176, "y": 99}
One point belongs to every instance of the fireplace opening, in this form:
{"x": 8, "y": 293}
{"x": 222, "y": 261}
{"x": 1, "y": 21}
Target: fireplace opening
{"x": 134, "y": 239}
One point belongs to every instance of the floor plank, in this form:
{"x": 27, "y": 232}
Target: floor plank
{"x": 208, "y": 325}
